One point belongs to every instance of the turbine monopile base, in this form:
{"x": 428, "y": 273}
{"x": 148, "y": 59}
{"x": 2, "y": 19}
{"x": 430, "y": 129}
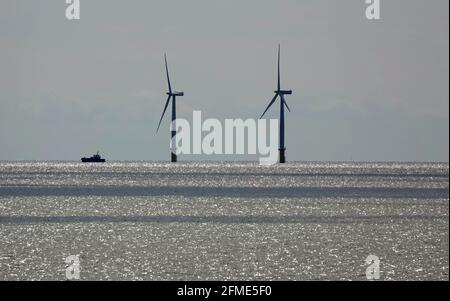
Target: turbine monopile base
{"x": 282, "y": 155}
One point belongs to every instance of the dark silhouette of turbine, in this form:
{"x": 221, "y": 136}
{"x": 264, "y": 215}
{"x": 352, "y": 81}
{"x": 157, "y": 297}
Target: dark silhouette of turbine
{"x": 171, "y": 95}
{"x": 280, "y": 93}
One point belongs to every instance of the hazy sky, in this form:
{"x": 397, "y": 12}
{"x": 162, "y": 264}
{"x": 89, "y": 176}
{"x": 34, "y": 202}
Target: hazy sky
{"x": 363, "y": 90}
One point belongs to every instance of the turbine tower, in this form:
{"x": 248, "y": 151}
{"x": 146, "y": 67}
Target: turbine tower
{"x": 280, "y": 93}
{"x": 172, "y": 95}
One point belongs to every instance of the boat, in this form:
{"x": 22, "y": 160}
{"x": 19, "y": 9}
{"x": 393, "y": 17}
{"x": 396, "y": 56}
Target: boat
{"x": 95, "y": 158}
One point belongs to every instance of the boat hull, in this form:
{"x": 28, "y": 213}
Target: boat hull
{"x": 90, "y": 160}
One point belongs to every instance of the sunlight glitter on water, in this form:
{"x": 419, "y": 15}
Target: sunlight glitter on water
{"x": 223, "y": 220}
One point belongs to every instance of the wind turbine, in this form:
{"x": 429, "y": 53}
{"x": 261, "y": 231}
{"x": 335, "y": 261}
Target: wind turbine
{"x": 280, "y": 93}
{"x": 172, "y": 95}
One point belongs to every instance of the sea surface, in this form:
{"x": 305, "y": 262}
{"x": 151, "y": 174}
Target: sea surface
{"x": 224, "y": 221}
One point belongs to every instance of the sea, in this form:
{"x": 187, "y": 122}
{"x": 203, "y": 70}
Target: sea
{"x": 224, "y": 221}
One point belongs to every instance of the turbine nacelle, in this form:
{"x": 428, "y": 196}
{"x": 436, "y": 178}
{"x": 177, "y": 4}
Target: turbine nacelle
{"x": 175, "y": 93}
{"x": 283, "y": 92}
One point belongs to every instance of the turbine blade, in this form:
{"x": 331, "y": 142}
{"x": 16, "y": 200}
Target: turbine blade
{"x": 285, "y": 103}
{"x": 164, "y": 111}
{"x": 167, "y": 72}
{"x": 279, "y": 81}
{"x": 270, "y": 104}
